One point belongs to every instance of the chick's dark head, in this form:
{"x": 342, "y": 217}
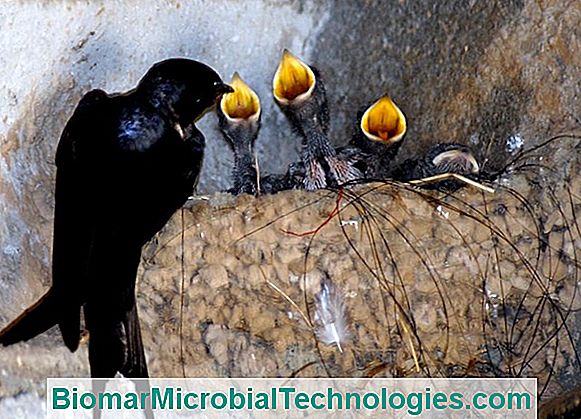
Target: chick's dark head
{"x": 441, "y": 159}
{"x": 185, "y": 87}
{"x": 450, "y": 158}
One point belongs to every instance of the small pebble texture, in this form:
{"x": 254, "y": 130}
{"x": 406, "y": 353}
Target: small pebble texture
{"x": 472, "y": 284}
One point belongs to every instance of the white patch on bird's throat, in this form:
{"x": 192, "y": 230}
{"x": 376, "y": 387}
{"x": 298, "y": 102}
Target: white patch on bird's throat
{"x": 179, "y": 130}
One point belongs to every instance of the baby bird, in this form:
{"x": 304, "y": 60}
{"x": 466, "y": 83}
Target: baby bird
{"x": 239, "y": 121}
{"x": 440, "y": 159}
{"x": 300, "y": 93}
{"x": 379, "y": 134}
{"x": 239, "y": 115}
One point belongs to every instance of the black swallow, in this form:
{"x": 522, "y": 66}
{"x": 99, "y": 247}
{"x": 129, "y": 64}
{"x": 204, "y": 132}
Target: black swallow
{"x": 379, "y": 133}
{"x": 125, "y": 163}
{"x": 300, "y": 93}
{"x": 441, "y": 159}
{"x": 239, "y": 120}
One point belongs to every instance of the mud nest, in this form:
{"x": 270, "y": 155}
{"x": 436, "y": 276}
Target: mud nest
{"x": 470, "y": 284}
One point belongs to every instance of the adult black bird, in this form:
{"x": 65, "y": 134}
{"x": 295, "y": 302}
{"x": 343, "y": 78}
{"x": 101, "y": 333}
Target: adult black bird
{"x": 239, "y": 120}
{"x": 300, "y": 93}
{"x": 440, "y": 159}
{"x": 379, "y": 133}
{"x": 125, "y": 163}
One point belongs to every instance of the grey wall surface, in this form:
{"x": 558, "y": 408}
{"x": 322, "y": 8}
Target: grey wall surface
{"x": 490, "y": 74}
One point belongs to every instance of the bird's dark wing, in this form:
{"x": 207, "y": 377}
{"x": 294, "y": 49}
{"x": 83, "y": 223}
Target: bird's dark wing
{"x": 74, "y": 226}
{"x": 148, "y": 172}
{"x": 72, "y": 235}
{"x": 171, "y": 177}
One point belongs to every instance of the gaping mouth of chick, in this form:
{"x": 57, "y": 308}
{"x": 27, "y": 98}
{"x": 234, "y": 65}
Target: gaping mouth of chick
{"x": 457, "y": 161}
{"x": 384, "y": 122}
{"x": 293, "y": 81}
{"x": 243, "y": 103}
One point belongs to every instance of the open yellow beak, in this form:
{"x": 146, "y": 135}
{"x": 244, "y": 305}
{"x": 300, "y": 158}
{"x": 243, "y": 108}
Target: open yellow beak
{"x": 384, "y": 122}
{"x": 243, "y": 103}
{"x": 293, "y": 80}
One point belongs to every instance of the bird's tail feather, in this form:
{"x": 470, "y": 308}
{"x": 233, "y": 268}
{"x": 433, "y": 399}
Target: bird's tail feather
{"x": 36, "y": 319}
{"x": 115, "y": 345}
{"x": 70, "y": 326}
{"x": 135, "y": 363}
{"x": 106, "y": 348}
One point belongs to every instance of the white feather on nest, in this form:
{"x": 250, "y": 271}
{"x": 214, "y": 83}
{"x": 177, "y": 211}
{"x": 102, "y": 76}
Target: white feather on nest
{"x": 330, "y": 315}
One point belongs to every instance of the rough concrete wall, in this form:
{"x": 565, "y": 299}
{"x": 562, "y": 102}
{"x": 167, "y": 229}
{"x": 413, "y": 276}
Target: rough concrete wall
{"x": 473, "y": 72}
{"x": 482, "y": 73}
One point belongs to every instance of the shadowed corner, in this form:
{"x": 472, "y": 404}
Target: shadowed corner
{"x": 518, "y": 317}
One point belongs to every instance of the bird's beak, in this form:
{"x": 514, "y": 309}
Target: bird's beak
{"x": 241, "y": 103}
{"x": 222, "y": 88}
{"x": 384, "y": 122}
{"x": 293, "y": 81}
{"x": 461, "y": 161}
